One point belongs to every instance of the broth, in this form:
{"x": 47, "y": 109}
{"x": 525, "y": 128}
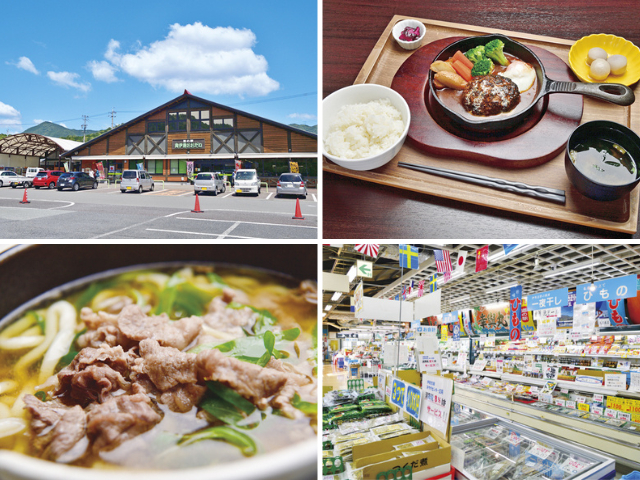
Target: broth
{"x": 224, "y": 423}
{"x": 604, "y": 162}
{"x": 452, "y": 99}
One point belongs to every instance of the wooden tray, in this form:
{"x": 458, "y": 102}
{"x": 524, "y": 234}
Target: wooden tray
{"x": 381, "y": 66}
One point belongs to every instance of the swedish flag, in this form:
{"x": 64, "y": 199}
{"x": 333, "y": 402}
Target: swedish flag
{"x": 409, "y": 256}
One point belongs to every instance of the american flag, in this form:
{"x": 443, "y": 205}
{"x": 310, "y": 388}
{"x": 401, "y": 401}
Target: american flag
{"x": 447, "y": 276}
{"x": 443, "y": 261}
{"x": 370, "y": 249}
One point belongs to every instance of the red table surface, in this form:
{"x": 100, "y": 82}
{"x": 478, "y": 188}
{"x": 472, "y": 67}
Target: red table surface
{"x": 357, "y": 209}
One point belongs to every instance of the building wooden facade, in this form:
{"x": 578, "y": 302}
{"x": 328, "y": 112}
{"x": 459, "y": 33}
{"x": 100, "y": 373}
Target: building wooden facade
{"x": 191, "y": 134}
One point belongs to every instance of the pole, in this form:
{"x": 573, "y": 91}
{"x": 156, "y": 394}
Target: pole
{"x": 399, "y": 319}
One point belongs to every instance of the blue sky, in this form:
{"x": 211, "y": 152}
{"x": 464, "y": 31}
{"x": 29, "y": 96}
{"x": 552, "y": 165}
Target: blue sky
{"x": 61, "y": 60}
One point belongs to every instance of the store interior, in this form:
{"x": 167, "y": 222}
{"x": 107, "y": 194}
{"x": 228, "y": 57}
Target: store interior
{"x": 481, "y": 361}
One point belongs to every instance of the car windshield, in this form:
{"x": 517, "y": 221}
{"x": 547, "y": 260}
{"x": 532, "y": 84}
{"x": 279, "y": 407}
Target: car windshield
{"x": 56, "y": 174}
{"x": 203, "y": 176}
{"x": 66, "y": 174}
{"x": 41, "y": 174}
{"x": 129, "y": 174}
{"x": 290, "y": 178}
{"x": 245, "y": 175}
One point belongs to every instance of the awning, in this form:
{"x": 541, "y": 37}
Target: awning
{"x": 34, "y": 145}
{"x": 230, "y": 156}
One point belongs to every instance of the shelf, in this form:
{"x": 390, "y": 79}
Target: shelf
{"x": 552, "y": 354}
{"x": 485, "y": 373}
{"x": 520, "y": 379}
{"x": 454, "y": 369}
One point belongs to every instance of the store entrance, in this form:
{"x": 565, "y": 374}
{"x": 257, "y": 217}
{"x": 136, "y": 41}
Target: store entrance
{"x": 222, "y": 166}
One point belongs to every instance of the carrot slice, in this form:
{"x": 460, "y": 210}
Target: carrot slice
{"x": 462, "y": 70}
{"x": 465, "y": 61}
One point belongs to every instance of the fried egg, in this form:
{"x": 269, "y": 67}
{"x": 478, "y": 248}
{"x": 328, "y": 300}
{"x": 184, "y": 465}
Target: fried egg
{"x": 522, "y": 74}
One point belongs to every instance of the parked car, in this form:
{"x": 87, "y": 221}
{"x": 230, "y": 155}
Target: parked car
{"x": 33, "y": 171}
{"x": 247, "y": 181}
{"x": 291, "y": 184}
{"x": 76, "y": 180}
{"x": 209, "y": 183}
{"x": 136, "y": 181}
{"x": 47, "y": 178}
{"x": 12, "y": 178}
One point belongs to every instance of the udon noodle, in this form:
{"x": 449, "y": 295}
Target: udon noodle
{"x": 162, "y": 369}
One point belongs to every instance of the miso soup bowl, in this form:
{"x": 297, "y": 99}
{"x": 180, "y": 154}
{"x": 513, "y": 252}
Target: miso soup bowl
{"x": 30, "y": 273}
{"x": 603, "y": 130}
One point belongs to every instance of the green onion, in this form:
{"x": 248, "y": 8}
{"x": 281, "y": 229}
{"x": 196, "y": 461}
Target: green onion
{"x": 227, "y": 434}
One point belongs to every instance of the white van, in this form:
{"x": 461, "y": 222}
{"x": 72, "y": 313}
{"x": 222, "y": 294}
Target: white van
{"x": 33, "y": 171}
{"x": 247, "y": 181}
{"x": 136, "y": 181}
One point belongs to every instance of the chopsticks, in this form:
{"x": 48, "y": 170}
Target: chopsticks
{"x": 543, "y": 193}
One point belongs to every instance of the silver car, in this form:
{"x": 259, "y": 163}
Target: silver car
{"x": 209, "y": 183}
{"x": 291, "y": 184}
{"x": 136, "y": 181}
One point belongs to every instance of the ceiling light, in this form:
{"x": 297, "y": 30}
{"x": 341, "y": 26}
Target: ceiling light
{"x": 327, "y": 308}
{"x": 460, "y": 299}
{"x": 490, "y": 306}
{"x": 324, "y": 314}
{"x": 571, "y": 268}
{"x": 502, "y": 287}
{"x": 336, "y": 296}
{"x": 352, "y": 273}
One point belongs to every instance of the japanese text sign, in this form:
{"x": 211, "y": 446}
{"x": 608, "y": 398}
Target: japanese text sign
{"x": 550, "y": 299}
{"x": 620, "y": 287}
{"x": 456, "y": 332}
{"x": 515, "y": 312}
{"x": 413, "y": 401}
{"x": 430, "y": 363}
{"x": 398, "y": 390}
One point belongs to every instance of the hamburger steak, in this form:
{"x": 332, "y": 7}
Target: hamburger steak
{"x": 490, "y": 95}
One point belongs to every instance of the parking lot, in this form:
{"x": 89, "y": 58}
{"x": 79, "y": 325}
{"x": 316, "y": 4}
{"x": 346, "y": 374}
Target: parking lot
{"x": 106, "y": 213}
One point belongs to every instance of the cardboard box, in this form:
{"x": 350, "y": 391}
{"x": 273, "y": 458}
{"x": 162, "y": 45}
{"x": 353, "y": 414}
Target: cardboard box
{"x": 410, "y": 376}
{"x": 381, "y": 456}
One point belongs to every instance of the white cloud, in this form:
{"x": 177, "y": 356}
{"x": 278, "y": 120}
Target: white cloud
{"x": 103, "y": 71}
{"x": 68, "y": 79}
{"x": 38, "y": 121}
{"x": 218, "y": 61}
{"x": 25, "y": 64}
{"x": 9, "y": 115}
{"x": 302, "y": 116}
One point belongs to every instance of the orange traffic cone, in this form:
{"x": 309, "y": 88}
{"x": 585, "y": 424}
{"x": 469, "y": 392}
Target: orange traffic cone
{"x": 298, "y": 214}
{"x": 24, "y": 197}
{"x": 197, "y": 207}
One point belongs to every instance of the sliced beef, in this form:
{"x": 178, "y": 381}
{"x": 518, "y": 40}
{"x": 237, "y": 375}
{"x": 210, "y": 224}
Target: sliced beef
{"x": 284, "y": 397}
{"x": 104, "y": 334}
{"x": 94, "y": 320}
{"x": 182, "y": 398}
{"x": 119, "y": 419}
{"x": 253, "y": 382}
{"x": 56, "y": 429}
{"x": 229, "y": 320}
{"x": 137, "y": 326}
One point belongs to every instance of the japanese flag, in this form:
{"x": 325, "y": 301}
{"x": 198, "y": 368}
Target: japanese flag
{"x": 462, "y": 260}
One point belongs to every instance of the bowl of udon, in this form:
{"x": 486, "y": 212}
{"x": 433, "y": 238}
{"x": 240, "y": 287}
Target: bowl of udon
{"x": 147, "y": 361}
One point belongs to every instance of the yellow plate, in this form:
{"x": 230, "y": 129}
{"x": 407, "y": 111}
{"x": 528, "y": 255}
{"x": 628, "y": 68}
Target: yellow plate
{"x": 613, "y": 46}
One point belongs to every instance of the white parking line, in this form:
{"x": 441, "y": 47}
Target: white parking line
{"x": 256, "y": 211}
{"x": 314, "y": 197}
{"x": 115, "y": 191}
{"x": 228, "y": 195}
{"x": 249, "y": 223}
{"x": 41, "y": 200}
{"x": 184, "y": 194}
{"x": 228, "y": 230}
{"x": 219, "y": 235}
{"x": 176, "y": 213}
{"x": 269, "y": 196}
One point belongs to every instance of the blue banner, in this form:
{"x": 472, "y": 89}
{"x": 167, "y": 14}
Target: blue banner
{"x": 550, "y": 299}
{"x": 613, "y": 310}
{"x": 398, "y": 392}
{"x": 429, "y": 330}
{"x": 450, "y": 317}
{"x": 456, "y": 332}
{"x": 621, "y": 287}
{"x": 515, "y": 312}
{"x": 508, "y": 247}
{"x": 414, "y": 398}
{"x": 415, "y": 324}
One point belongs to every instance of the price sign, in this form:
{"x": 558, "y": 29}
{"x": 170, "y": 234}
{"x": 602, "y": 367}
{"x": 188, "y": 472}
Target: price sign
{"x": 479, "y": 365}
{"x": 570, "y": 404}
{"x": 398, "y": 388}
{"x": 519, "y": 388}
{"x": 598, "y": 398}
{"x": 494, "y": 432}
{"x": 430, "y": 363}
{"x": 610, "y": 413}
{"x": 500, "y": 365}
{"x": 382, "y": 382}
{"x": 486, "y": 381}
{"x": 559, "y": 402}
{"x": 414, "y": 398}
{"x": 534, "y": 389}
{"x": 541, "y": 452}
{"x": 624, "y": 416}
{"x": 509, "y": 388}
{"x": 634, "y": 386}
{"x": 616, "y": 380}
{"x": 545, "y": 397}
{"x": 583, "y": 406}
{"x": 597, "y": 410}
{"x": 564, "y": 390}
{"x": 462, "y": 359}
{"x": 514, "y": 438}
{"x": 573, "y": 466}
{"x": 581, "y": 399}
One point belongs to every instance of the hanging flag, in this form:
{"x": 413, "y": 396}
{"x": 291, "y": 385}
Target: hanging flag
{"x": 433, "y": 283}
{"x": 443, "y": 260}
{"x": 404, "y": 292}
{"x": 370, "y": 249}
{"x": 409, "y": 256}
{"x": 410, "y": 288}
{"x": 397, "y": 298}
{"x": 420, "y": 288}
{"x": 482, "y": 258}
{"x": 462, "y": 261}
{"x": 515, "y": 312}
{"x": 447, "y": 276}
{"x": 508, "y": 247}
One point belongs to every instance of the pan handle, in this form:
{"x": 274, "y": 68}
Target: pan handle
{"x": 611, "y": 92}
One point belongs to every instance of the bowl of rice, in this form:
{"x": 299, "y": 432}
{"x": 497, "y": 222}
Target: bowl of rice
{"x": 364, "y": 126}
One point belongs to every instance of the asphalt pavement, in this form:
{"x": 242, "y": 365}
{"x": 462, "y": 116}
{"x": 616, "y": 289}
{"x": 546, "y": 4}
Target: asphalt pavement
{"x": 106, "y": 213}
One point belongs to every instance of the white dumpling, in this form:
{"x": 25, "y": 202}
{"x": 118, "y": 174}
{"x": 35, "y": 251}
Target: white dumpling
{"x": 595, "y": 53}
{"x": 618, "y": 64}
{"x": 600, "y": 69}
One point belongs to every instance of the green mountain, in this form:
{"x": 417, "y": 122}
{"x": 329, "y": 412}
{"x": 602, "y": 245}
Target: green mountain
{"x": 54, "y": 130}
{"x": 308, "y": 128}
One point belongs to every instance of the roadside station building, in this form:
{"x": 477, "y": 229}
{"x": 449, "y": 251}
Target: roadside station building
{"x": 191, "y": 134}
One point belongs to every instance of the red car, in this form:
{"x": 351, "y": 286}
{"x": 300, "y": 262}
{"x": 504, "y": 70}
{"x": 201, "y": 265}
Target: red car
{"x": 47, "y": 178}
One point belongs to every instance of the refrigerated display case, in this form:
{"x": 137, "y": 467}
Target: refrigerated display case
{"x": 504, "y": 451}
{"x": 463, "y": 415}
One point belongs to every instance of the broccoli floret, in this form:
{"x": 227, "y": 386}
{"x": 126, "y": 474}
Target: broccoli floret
{"x": 475, "y": 54}
{"x": 484, "y": 66}
{"x": 493, "y": 50}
